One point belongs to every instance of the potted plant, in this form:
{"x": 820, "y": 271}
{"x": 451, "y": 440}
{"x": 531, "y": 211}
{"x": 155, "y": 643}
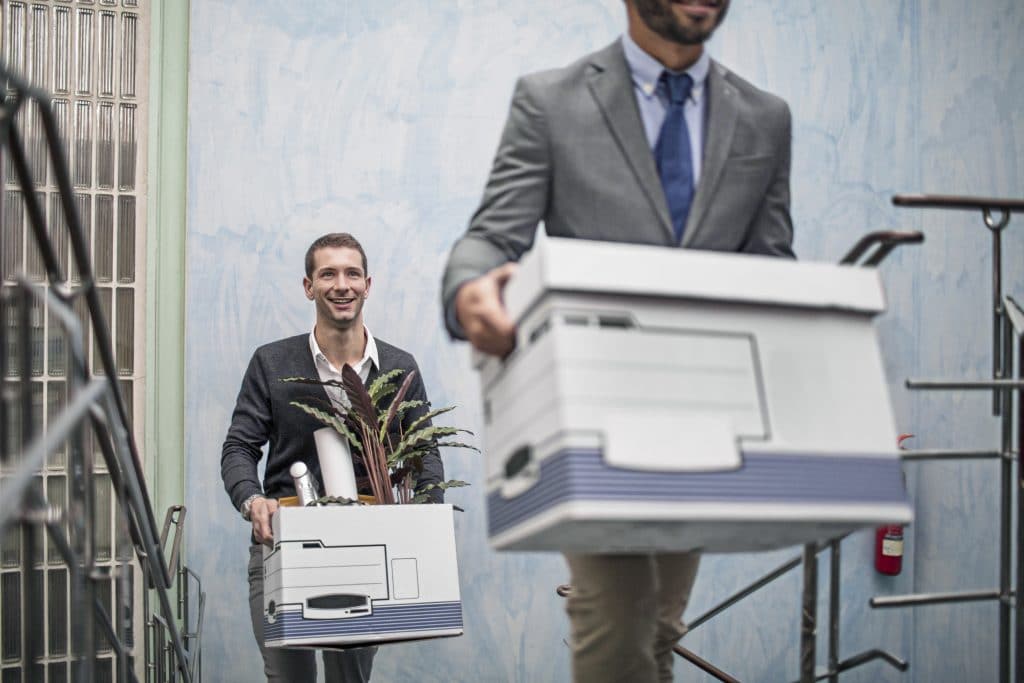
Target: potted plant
{"x": 367, "y": 423}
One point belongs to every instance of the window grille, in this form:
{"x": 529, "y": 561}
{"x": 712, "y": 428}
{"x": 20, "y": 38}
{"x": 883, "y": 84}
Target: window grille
{"x": 92, "y": 56}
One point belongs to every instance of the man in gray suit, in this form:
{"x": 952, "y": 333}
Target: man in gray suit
{"x": 646, "y": 141}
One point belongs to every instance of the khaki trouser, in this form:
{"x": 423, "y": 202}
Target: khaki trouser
{"x": 287, "y": 665}
{"x": 626, "y": 615}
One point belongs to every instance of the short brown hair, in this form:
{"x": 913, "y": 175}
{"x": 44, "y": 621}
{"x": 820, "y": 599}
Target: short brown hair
{"x": 337, "y": 240}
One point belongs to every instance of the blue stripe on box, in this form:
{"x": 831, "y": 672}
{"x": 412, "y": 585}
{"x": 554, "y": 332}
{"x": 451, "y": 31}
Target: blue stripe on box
{"x": 582, "y": 474}
{"x": 432, "y": 616}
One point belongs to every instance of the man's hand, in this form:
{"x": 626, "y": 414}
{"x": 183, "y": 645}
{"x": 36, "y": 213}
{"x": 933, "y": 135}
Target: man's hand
{"x": 481, "y": 312}
{"x": 259, "y": 513}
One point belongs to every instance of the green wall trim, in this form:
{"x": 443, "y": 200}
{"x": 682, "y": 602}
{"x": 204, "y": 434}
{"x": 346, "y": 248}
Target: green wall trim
{"x": 165, "y": 254}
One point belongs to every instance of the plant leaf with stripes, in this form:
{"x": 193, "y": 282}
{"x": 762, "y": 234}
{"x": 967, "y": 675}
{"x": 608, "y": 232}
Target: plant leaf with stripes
{"x": 428, "y": 434}
{"x": 399, "y": 397}
{"x": 425, "y": 437}
{"x": 456, "y": 444}
{"x": 378, "y": 385}
{"x": 330, "y": 420}
{"x": 422, "y": 494}
{"x": 400, "y": 410}
{"x": 429, "y": 415}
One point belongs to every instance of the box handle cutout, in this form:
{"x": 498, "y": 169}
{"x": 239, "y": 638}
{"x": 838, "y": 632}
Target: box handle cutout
{"x": 521, "y": 472}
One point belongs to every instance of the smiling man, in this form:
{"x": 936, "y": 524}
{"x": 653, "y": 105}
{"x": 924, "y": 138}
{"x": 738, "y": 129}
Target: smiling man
{"x": 338, "y": 283}
{"x": 648, "y": 141}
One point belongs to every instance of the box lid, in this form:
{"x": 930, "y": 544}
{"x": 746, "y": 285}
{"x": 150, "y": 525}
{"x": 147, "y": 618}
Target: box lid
{"x": 587, "y": 266}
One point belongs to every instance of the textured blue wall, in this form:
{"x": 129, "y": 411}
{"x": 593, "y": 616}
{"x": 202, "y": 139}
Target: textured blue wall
{"x": 381, "y": 118}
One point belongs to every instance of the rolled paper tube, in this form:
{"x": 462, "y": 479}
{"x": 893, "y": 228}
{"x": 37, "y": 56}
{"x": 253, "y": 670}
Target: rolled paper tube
{"x": 335, "y": 464}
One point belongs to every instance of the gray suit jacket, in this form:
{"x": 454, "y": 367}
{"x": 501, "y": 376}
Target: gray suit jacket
{"x": 574, "y": 155}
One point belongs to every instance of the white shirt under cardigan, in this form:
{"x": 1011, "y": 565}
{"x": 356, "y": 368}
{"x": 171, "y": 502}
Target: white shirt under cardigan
{"x": 328, "y": 372}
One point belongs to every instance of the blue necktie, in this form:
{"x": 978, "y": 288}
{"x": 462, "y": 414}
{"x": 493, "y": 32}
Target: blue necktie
{"x": 672, "y": 152}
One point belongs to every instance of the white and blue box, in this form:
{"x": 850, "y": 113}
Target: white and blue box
{"x": 670, "y": 400}
{"x": 344, "y": 576}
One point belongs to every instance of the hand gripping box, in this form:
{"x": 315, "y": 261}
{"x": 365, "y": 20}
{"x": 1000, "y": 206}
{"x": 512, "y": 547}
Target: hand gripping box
{"x": 341, "y": 576}
{"x": 667, "y": 400}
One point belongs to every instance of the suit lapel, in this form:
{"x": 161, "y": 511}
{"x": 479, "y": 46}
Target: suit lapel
{"x": 719, "y": 126}
{"x": 612, "y": 88}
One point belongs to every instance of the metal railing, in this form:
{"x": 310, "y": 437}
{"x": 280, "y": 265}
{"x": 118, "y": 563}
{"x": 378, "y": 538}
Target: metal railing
{"x": 1007, "y": 380}
{"x": 171, "y": 650}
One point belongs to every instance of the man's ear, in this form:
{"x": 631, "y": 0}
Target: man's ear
{"x": 307, "y": 286}
{"x": 366, "y": 292}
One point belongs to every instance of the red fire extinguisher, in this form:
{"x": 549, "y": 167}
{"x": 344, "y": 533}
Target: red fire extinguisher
{"x": 889, "y": 540}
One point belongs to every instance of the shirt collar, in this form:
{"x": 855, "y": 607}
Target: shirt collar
{"x": 369, "y": 353}
{"x": 646, "y": 70}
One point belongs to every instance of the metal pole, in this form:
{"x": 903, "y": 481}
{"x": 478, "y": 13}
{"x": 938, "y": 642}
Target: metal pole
{"x": 196, "y": 662}
{"x": 965, "y": 385}
{"x": 934, "y": 598}
{"x": 80, "y": 518}
{"x": 1002, "y": 359}
{"x": 25, "y": 369}
{"x": 32, "y": 631}
{"x": 809, "y": 614}
{"x": 1019, "y": 598}
{"x": 184, "y": 592}
{"x": 949, "y": 454}
{"x": 704, "y": 665}
{"x": 31, "y": 643}
{"x": 1006, "y": 504}
{"x": 997, "y": 312}
{"x": 5, "y": 310}
{"x": 149, "y": 625}
{"x": 123, "y": 597}
{"x": 833, "y": 611}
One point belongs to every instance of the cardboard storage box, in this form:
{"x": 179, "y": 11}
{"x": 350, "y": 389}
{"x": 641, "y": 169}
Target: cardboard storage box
{"x": 666, "y": 399}
{"x": 362, "y": 574}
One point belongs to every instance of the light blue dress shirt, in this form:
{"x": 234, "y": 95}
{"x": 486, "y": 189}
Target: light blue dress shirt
{"x": 652, "y": 101}
{"x": 646, "y": 71}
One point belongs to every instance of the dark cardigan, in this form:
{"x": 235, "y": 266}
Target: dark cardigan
{"x": 262, "y": 414}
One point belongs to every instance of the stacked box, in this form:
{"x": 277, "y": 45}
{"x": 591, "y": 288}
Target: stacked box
{"x": 670, "y": 400}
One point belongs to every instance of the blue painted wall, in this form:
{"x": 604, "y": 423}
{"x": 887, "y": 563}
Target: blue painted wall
{"x": 381, "y": 119}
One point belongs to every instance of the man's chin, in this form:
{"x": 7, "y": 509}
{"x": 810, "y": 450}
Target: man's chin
{"x": 684, "y": 24}
{"x": 342, "y": 321}
{"x": 695, "y": 33}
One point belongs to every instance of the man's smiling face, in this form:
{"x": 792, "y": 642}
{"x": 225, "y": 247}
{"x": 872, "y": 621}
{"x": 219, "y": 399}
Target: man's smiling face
{"x": 338, "y": 286}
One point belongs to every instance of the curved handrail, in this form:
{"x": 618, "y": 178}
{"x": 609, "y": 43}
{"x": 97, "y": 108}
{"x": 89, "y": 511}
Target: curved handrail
{"x": 884, "y": 241}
